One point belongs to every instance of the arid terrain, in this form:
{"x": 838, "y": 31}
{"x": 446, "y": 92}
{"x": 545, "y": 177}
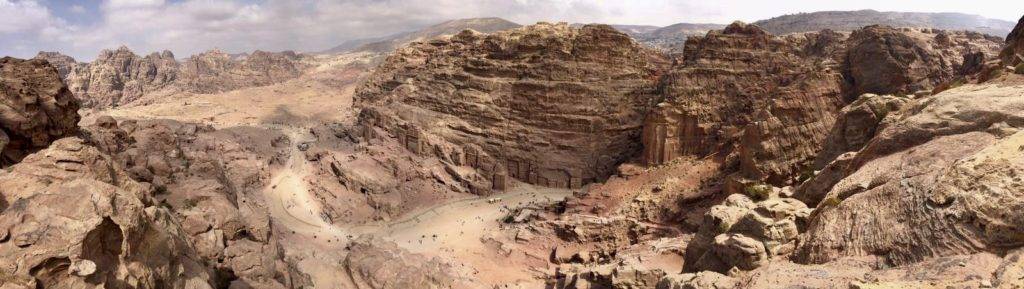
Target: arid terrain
{"x": 795, "y": 152}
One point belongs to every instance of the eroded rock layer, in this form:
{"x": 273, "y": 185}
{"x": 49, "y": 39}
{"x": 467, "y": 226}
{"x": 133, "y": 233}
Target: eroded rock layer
{"x": 942, "y": 179}
{"x": 773, "y": 97}
{"x": 36, "y": 108}
{"x": 1013, "y": 53}
{"x": 546, "y": 104}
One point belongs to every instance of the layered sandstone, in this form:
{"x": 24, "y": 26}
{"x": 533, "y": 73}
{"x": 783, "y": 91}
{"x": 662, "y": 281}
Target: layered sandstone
{"x": 546, "y": 104}
{"x": 773, "y": 98}
{"x": 36, "y": 108}
{"x": 947, "y": 169}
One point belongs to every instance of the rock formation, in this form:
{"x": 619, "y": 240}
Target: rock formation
{"x": 36, "y": 108}
{"x": 119, "y": 77}
{"x": 886, "y": 60}
{"x": 116, "y": 77}
{"x": 947, "y": 171}
{"x": 546, "y": 104}
{"x": 375, "y": 263}
{"x": 1013, "y": 53}
{"x": 216, "y": 71}
{"x": 773, "y": 97}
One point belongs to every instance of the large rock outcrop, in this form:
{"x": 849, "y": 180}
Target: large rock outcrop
{"x": 36, "y": 108}
{"x": 942, "y": 178}
{"x": 547, "y": 104}
{"x": 1013, "y": 53}
{"x": 116, "y": 77}
{"x": 773, "y": 98}
{"x": 77, "y": 221}
{"x": 216, "y": 71}
{"x": 906, "y": 61}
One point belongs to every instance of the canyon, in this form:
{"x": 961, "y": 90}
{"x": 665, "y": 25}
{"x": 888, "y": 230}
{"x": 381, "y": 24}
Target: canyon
{"x": 479, "y": 153}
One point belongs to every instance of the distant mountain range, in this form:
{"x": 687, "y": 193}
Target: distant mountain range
{"x": 851, "y": 20}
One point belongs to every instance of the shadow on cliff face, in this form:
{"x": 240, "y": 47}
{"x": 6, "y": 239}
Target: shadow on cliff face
{"x": 284, "y": 116}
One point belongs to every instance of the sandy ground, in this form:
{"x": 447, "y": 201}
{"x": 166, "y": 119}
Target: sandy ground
{"x": 455, "y": 231}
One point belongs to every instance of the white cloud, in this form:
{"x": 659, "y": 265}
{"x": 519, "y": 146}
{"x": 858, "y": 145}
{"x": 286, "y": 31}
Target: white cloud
{"x": 23, "y": 16}
{"x": 78, "y": 9}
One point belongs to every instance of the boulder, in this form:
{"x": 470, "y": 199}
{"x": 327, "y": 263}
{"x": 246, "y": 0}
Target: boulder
{"x": 36, "y": 108}
{"x": 744, "y": 234}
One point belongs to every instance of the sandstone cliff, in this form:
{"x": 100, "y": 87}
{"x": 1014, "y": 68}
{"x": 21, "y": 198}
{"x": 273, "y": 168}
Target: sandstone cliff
{"x": 770, "y": 101}
{"x": 120, "y": 77}
{"x": 546, "y": 104}
{"x": 36, "y": 108}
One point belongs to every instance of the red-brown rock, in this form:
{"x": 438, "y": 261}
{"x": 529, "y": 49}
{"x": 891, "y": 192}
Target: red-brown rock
{"x": 546, "y": 104}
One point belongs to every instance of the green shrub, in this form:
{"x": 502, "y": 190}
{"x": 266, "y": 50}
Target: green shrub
{"x": 758, "y": 191}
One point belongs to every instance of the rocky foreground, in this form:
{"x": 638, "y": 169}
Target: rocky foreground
{"x": 879, "y": 158}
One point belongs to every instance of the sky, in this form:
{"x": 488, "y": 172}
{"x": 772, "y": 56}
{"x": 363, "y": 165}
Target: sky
{"x": 83, "y": 28}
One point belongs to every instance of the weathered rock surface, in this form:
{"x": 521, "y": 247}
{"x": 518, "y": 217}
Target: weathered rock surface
{"x": 36, "y": 108}
{"x": 546, "y": 104}
{"x": 904, "y": 61}
{"x": 77, "y": 221}
{"x": 700, "y": 280}
{"x": 941, "y": 179}
{"x": 856, "y": 124}
{"x": 770, "y": 101}
{"x": 119, "y": 77}
{"x": 374, "y": 263}
{"x": 772, "y": 97}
